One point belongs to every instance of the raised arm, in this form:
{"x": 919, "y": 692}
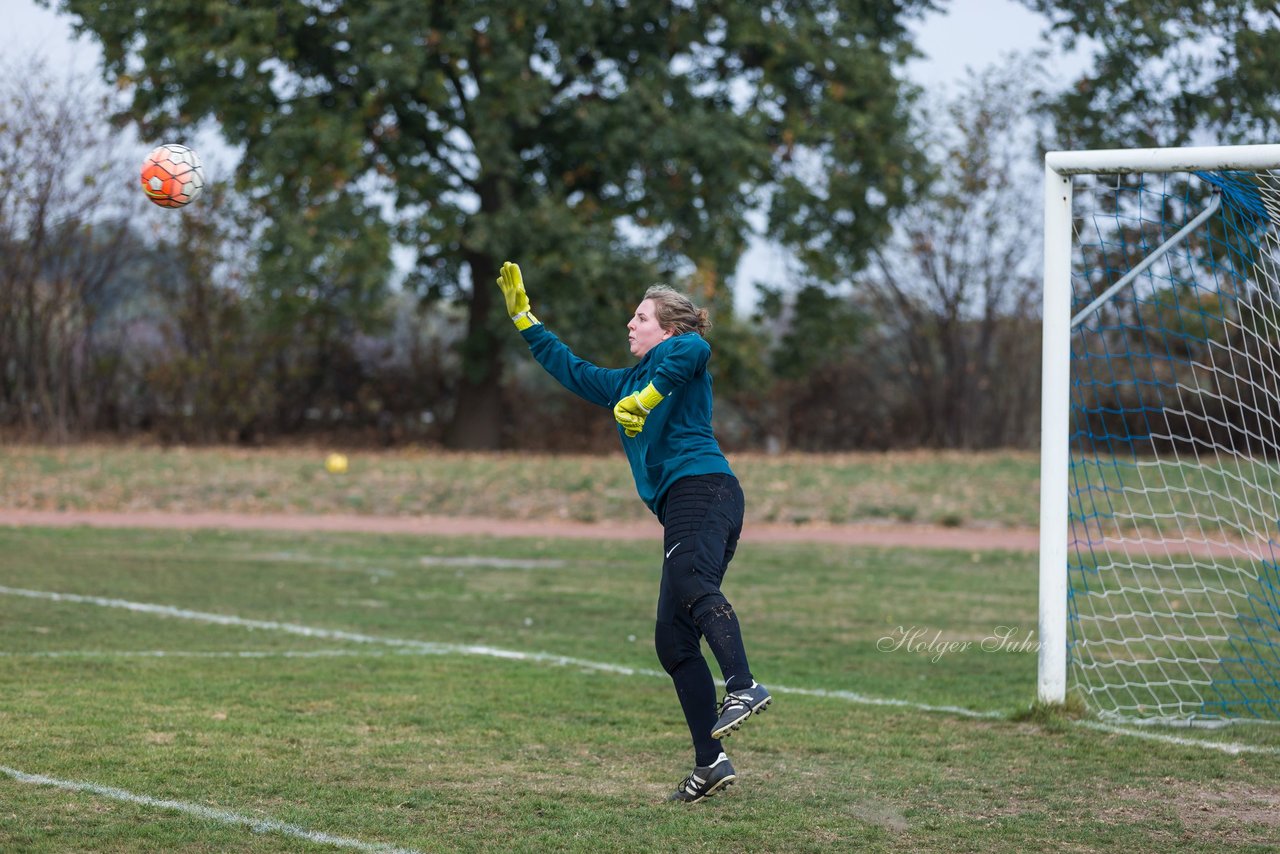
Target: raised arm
{"x": 590, "y": 382}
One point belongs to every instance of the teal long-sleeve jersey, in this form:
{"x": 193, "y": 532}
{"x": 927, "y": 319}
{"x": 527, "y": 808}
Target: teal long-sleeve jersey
{"x": 677, "y": 440}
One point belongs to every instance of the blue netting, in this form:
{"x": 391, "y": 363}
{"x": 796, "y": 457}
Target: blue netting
{"x": 1175, "y": 436}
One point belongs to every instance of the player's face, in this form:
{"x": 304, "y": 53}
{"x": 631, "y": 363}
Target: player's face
{"x": 643, "y": 331}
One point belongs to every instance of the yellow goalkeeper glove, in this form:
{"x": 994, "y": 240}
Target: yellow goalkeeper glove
{"x": 512, "y": 284}
{"x": 633, "y": 409}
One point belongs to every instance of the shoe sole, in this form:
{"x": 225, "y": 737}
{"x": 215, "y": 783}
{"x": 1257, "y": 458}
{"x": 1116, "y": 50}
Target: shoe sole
{"x": 730, "y": 728}
{"x": 720, "y": 786}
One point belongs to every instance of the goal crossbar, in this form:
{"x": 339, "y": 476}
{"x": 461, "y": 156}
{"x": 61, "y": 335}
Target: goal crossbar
{"x": 1115, "y": 161}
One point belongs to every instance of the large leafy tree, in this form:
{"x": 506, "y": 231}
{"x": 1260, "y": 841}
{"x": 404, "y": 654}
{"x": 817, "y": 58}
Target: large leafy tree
{"x": 1169, "y": 72}
{"x": 601, "y": 143}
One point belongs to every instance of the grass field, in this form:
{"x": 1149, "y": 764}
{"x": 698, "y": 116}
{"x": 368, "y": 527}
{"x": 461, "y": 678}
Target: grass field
{"x": 210, "y": 691}
{"x": 217, "y": 692}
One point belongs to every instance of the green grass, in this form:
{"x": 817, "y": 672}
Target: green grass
{"x": 382, "y": 742}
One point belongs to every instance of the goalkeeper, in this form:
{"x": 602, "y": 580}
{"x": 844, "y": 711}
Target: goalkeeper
{"x": 662, "y": 406}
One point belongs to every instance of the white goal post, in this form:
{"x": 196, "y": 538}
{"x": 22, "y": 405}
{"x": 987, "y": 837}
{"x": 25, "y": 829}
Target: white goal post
{"x": 1160, "y": 443}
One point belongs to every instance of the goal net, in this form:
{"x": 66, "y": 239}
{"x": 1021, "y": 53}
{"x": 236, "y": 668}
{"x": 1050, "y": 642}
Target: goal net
{"x": 1172, "y": 433}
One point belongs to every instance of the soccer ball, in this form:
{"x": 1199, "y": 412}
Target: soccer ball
{"x": 172, "y": 176}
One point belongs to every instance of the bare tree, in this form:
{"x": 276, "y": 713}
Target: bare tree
{"x": 955, "y": 292}
{"x": 64, "y": 202}
{"x": 205, "y": 380}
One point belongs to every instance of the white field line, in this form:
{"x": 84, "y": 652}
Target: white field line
{"x": 1224, "y": 746}
{"x": 432, "y": 648}
{"x": 426, "y": 647}
{"x": 227, "y": 817}
{"x": 187, "y": 653}
{"x": 492, "y": 562}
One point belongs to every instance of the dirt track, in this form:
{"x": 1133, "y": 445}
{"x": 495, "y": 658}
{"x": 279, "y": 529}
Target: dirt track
{"x": 917, "y": 536}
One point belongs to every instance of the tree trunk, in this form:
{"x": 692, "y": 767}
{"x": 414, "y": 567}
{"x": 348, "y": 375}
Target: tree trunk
{"x": 477, "y": 421}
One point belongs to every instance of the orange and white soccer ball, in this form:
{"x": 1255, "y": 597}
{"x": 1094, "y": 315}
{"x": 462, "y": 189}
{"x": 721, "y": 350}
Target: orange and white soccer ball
{"x": 172, "y": 176}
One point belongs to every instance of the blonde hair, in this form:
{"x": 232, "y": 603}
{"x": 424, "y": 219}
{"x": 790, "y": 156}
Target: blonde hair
{"x": 675, "y": 312}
